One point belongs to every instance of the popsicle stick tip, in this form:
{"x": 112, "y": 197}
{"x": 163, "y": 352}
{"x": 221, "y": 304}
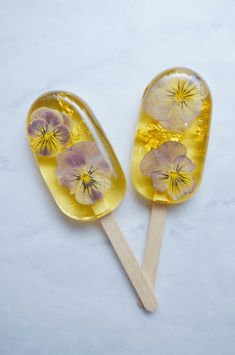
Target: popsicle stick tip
{"x": 151, "y": 307}
{"x": 129, "y": 262}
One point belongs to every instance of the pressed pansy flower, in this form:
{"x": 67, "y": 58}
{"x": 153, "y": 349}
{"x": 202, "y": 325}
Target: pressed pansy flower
{"x": 49, "y": 131}
{"x": 84, "y": 171}
{"x": 175, "y": 100}
{"x": 170, "y": 169}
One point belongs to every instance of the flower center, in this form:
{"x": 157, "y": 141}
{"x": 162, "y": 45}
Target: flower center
{"x": 86, "y": 178}
{"x": 182, "y": 93}
{"x": 173, "y": 175}
{"x": 48, "y": 135}
{"x": 178, "y": 178}
{"x": 180, "y": 96}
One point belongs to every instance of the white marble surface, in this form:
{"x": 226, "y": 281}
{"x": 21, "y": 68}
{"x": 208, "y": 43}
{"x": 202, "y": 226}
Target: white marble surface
{"x": 63, "y": 291}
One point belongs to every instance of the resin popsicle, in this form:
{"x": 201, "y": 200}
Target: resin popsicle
{"x": 170, "y": 148}
{"x": 82, "y": 172}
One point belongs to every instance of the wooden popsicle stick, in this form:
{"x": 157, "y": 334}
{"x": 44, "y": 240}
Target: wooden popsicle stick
{"x": 129, "y": 262}
{"x": 153, "y": 243}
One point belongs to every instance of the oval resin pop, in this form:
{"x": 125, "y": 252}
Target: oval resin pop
{"x": 172, "y": 136}
{"x": 74, "y": 156}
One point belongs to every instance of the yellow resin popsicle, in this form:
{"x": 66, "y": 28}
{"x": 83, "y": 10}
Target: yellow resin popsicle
{"x": 59, "y": 125}
{"x": 82, "y": 172}
{"x": 171, "y": 136}
{"x": 169, "y": 149}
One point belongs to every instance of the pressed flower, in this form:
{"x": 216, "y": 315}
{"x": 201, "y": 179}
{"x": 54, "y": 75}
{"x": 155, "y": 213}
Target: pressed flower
{"x": 170, "y": 169}
{"x": 175, "y": 100}
{"x": 84, "y": 171}
{"x": 49, "y": 131}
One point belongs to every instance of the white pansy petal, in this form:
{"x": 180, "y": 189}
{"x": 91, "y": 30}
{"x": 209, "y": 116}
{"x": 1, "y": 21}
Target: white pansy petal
{"x": 150, "y": 163}
{"x": 160, "y": 180}
{"x": 185, "y": 164}
{"x": 203, "y": 90}
{"x": 103, "y": 182}
{"x": 191, "y": 111}
{"x": 174, "y": 122}
{"x": 74, "y": 185}
{"x": 164, "y": 110}
{"x": 90, "y": 149}
{"x": 82, "y": 195}
{"x": 169, "y": 151}
{"x": 173, "y": 98}
{"x": 184, "y": 189}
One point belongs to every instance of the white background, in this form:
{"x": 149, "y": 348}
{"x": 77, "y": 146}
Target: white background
{"x": 62, "y": 290}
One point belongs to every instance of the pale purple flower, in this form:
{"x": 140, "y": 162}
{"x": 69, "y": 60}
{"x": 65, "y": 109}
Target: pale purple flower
{"x": 175, "y": 100}
{"x": 170, "y": 169}
{"x": 49, "y": 131}
{"x": 84, "y": 171}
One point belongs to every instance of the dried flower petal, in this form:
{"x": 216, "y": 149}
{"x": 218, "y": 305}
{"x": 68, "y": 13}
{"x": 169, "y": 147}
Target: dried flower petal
{"x": 49, "y": 131}
{"x": 175, "y": 100}
{"x": 83, "y": 170}
{"x": 170, "y": 169}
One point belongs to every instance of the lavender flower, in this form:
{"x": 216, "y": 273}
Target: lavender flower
{"x": 49, "y": 131}
{"x": 83, "y": 170}
{"x": 170, "y": 169}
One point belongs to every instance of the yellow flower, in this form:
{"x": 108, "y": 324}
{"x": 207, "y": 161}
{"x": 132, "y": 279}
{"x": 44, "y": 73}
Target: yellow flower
{"x": 175, "y": 100}
{"x": 170, "y": 169}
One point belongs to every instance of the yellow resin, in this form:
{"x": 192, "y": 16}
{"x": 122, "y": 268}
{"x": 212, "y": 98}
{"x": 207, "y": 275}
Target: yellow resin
{"x": 150, "y": 135}
{"x": 85, "y": 128}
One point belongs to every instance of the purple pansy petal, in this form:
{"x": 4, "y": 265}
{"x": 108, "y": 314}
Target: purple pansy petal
{"x": 67, "y": 120}
{"x": 100, "y": 164}
{"x": 66, "y": 176}
{"x": 96, "y": 195}
{"x": 63, "y": 134}
{"x": 38, "y": 113}
{"x": 158, "y": 158}
{"x": 47, "y": 114}
{"x": 169, "y": 151}
{"x": 45, "y": 120}
{"x": 44, "y": 151}
{"x": 53, "y": 118}
{"x": 185, "y": 163}
{"x": 150, "y": 163}
{"x": 74, "y": 159}
{"x": 37, "y": 126}
{"x": 160, "y": 183}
